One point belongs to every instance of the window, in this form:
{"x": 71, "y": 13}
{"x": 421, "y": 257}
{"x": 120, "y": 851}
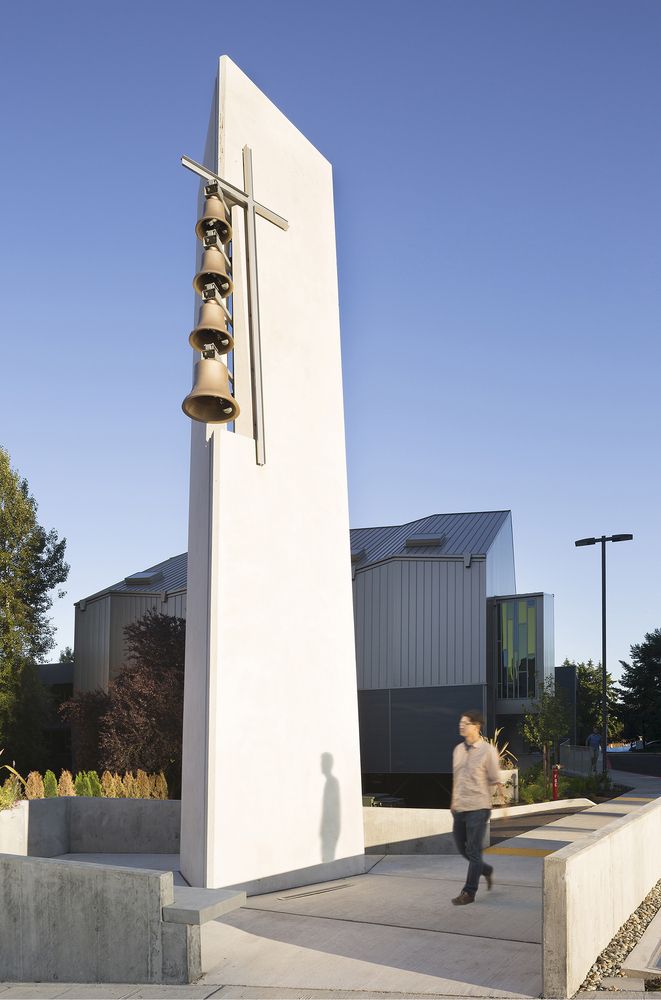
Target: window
{"x": 516, "y": 645}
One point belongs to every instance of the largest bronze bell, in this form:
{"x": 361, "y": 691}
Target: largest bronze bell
{"x": 210, "y": 400}
{"x": 214, "y": 218}
{"x": 212, "y": 329}
{"x": 213, "y": 270}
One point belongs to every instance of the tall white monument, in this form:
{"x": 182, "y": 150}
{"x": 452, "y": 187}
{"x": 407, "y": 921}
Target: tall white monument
{"x": 271, "y": 773}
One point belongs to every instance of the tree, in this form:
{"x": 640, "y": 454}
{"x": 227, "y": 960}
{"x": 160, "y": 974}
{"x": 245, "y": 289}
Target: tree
{"x": 66, "y": 655}
{"x": 546, "y": 724}
{"x": 138, "y": 724}
{"x": 143, "y": 726}
{"x": 84, "y": 713}
{"x": 589, "y": 701}
{"x": 640, "y": 685}
{"x": 31, "y": 566}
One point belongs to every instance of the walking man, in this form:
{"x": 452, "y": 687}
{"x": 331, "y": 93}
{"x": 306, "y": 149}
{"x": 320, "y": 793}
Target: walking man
{"x": 594, "y": 742}
{"x": 475, "y": 769}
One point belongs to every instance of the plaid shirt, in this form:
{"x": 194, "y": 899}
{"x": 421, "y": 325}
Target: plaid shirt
{"x": 475, "y": 769}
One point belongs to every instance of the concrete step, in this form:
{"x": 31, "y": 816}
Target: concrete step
{"x": 197, "y": 906}
{"x": 622, "y": 983}
{"x": 645, "y": 959}
{"x": 633, "y": 995}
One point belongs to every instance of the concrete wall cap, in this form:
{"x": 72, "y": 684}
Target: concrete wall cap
{"x": 197, "y": 906}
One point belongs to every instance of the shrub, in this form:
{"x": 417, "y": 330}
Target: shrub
{"x": 34, "y": 786}
{"x": 131, "y": 785}
{"x": 10, "y": 793}
{"x": 50, "y": 785}
{"x": 143, "y": 785}
{"x": 160, "y": 786}
{"x": 108, "y": 786}
{"x": 95, "y": 785}
{"x": 120, "y": 787}
{"x": 82, "y": 785}
{"x": 65, "y": 784}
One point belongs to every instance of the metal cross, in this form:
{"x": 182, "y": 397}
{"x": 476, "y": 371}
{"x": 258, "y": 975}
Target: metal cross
{"x": 246, "y": 200}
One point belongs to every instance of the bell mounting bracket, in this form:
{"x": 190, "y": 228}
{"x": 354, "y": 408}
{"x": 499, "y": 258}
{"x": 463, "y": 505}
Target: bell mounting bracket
{"x": 234, "y": 196}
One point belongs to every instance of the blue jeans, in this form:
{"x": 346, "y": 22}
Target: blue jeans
{"x": 468, "y": 830}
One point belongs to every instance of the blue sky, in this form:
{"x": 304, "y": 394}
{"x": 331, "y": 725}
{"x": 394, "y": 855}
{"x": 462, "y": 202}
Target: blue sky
{"x": 496, "y": 169}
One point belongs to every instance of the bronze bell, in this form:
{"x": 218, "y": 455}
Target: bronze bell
{"x": 212, "y": 329}
{"x": 210, "y": 400}
{"x": 215, "y": 217}
{"x": 214, "y": 269}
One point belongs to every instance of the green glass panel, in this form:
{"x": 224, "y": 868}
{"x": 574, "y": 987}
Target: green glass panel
{"x": 532, "y": 628}
{"x": 510, "y": 641}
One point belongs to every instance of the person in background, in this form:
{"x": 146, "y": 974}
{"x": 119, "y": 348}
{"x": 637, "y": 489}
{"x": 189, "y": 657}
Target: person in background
{"x": 594, "y": 743}
{"x": 475, "y": 769}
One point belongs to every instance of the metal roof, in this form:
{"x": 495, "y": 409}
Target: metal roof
{"x": 460, "y": 535}
{"x": 170, "y": 576}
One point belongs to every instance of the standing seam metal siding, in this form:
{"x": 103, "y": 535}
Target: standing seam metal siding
{"x": 99, "y": 645}
{"x": 127, "y": 609}
{"x": 420, "y": 623}
{"x": 92, "y": 645}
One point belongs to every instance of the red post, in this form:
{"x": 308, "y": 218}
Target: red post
{"x": 554, "y": 782}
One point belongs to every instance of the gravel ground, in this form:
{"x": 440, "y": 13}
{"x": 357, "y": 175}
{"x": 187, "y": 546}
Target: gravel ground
{"x": 610, "y": 961}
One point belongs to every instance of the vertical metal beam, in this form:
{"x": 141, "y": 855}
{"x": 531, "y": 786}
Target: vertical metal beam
{"x": 604, "y": 675}
{"x": 253, "y": 313}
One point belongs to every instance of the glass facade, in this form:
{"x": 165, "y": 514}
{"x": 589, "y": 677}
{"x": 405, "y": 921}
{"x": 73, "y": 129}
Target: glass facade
{"x": 516, "y": 646}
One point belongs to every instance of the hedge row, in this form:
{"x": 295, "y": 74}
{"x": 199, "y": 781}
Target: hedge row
{"x": 88, "y": 784}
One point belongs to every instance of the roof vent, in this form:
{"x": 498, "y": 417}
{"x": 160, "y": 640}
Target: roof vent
{"x": 145, "y": 579}
{"x": 358, "y": 555}
{"x": 416, "y": 541}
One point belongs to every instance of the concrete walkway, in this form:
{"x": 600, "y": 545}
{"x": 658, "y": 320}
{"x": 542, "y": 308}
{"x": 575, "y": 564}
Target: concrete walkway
{"x": 392, "y": 931}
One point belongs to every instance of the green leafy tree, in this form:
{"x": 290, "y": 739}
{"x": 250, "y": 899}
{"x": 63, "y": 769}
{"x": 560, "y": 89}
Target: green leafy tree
{"x": 547, "y": 724}
{"x": 588, "y": 701}
{"x": 640, "y": 685}
{"x": 66, "y": 655}
{"x": 31, "y": 566}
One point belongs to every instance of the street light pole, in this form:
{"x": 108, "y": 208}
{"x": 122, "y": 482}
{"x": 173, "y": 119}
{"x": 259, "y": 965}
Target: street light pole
{"x": 604, "y": 676}
{"x": 604, "y": 679}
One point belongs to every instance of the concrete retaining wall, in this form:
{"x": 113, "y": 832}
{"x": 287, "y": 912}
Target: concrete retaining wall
{"x": 590, "y": 888}
{"x": 577, "y": 760}
{"x": 46, "y": 828}
{"x": 429, "y": 831}
{"x": 63, "y": 921}
{"x": 124, "y": 826}
{"x": 408, "y": 831}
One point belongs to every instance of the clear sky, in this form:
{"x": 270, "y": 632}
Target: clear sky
{"x": 497, "y": 170}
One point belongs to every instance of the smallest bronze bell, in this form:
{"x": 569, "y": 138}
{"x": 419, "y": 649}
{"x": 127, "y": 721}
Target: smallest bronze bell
{"x": 210, "y": 400}
{"x": 215, "y": 218}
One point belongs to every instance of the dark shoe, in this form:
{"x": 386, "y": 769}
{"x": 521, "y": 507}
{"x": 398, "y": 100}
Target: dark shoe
{"x": 489, "y": 878}
{"x": 463, "y": 898}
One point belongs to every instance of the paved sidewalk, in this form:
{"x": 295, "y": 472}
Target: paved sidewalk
{"x": 391, "y": 932}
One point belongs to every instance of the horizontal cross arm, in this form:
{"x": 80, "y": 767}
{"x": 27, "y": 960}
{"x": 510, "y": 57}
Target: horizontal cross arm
{"x": 233, "y": 193}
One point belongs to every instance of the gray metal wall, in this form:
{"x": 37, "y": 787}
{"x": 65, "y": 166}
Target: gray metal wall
{"x": 91, "y": 645}
{"x": 99, "y": 644}
{"x": 413, "y": 731}
{"x": 128, "y": 608}
{"x": 420, "y": 623}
